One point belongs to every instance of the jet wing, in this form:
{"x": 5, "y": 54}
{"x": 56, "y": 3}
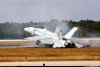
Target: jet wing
{"x": 37, "y": 37}
{"x": 41, "y": 39}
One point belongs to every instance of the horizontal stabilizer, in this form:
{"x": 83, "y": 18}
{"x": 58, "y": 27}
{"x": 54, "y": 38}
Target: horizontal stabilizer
{"x": 78, "y": 45}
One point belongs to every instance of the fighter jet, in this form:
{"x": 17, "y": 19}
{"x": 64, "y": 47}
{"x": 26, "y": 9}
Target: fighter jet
{"x": 50, "y": 39}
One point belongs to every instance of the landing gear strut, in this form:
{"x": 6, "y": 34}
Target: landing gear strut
{"x": 38, "y": 42}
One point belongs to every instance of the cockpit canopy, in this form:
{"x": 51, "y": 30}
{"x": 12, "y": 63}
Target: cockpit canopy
{"x": 39, "y": 27}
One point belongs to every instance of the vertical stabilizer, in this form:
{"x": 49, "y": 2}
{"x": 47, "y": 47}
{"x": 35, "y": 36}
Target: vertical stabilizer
{"x": 58, "y": 33}
{"x": 70, "y": 33}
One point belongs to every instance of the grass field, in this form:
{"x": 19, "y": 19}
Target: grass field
{"x": 49, "y": 54}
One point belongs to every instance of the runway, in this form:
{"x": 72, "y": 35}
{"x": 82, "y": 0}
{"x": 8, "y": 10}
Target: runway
{"x": 16, "y": 43}
{"x": 29, "y": 43}
{"x": 52, "y": 63}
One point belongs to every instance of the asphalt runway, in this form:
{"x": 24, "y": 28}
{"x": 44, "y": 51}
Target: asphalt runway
{"x": 52, "y": 63}
{"x": 28, "y": 43}
{"x": 16, "y": 43}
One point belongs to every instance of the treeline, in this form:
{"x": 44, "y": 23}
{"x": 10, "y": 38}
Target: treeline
{"x": 87, "y": 28}
{"x": 15, "y": 30}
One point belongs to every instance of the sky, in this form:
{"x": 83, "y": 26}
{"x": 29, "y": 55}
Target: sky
{"x": 44, "y": 10}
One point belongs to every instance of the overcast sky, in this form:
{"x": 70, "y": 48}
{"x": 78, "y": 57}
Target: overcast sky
{"x": 43, "y": 10}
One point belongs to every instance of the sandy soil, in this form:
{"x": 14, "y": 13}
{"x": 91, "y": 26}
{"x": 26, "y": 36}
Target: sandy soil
{"x": 49, "y": 54}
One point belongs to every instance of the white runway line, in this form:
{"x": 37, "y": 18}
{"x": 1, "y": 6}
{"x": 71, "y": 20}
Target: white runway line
{"x": 52, "y": 63}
